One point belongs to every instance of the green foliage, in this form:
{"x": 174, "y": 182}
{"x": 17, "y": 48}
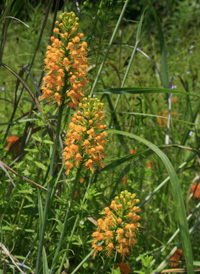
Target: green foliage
{"x": 116, "y": 271}
{"x": 146, "y": 265}
{"x": 134, "y": 50}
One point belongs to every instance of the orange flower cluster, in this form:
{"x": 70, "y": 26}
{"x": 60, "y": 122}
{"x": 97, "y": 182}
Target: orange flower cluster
{"x": 119, "y": 226}
{"x": 11, "y": 140}
{"x": 124, "y": 268}
{"x": 66, "y": 63}
{"x": 163, "y": 122}
{"x": 86, "y": 136}
{"x": 176, "y": 257}
{"x": 196, "y": 190}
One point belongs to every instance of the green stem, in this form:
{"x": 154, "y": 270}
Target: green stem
{"x": 83, "y": 261}
{"x": 63, "y": 232}
{"x": 76, "y": 222}
{"x": 56, "y": 139}
{"x": 67, "y": 248}
{"x": 49, "y": 190}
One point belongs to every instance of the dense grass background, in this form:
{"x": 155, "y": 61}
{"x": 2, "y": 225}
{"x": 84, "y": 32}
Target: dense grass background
{"x": 154, "y": 45}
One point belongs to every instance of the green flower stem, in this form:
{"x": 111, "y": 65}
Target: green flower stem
{"x": 63, "y": 232}
{"x": 56, "y": 139}
{"x": 83, "y": 261}
{"x": 76, "y": 222}
{"x": 49, "y": 190}
{"x": 115, "y": 258}
{"x": 68, "y": 244}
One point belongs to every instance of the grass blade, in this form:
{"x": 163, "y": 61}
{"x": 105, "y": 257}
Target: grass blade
{"x": 144, "y": 90}
{"x": 163, "y": 51}
{"x": 45, "y": 262}
{"x": 108, "y": 48}
{"x": 138, "y": 36}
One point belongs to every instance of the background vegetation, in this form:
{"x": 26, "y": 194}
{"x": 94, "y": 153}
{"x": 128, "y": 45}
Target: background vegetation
{"x": 144, "y": 66}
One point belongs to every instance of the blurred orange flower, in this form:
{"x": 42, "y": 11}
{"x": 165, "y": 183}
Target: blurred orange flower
{"x": 124, "y": 268}
{"x": 196, "y": 190}
{"x": 124, "y": 180}
{"x": 175, "y": 100}
{"x": 132, "y": 151}
{"x": 162, "y": 121}
{"x": 176, "y": 257}
{"x": 11, "y": 140}
{"x": 150, "y": 164}
{"x": 75, "y": 194}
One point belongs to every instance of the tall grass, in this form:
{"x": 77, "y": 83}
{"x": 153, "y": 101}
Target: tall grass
{"x": 47, "y": 217}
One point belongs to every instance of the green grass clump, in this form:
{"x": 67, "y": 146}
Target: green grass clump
{"x": 143, "y": 62}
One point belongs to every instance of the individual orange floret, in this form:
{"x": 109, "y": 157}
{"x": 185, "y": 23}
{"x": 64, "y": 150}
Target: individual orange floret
{"x": 118, "y": 226}
{"x": 174, "y": 260}
{"x": 110, "y": 248}
{"x": 124, "y": 268}
{"x": 96, "y": 249}
{"x": 11, "y": 140}
{"x": 195, "y": 188}
{"x": 85, "y": 140}
{"x": 65, "y": 64}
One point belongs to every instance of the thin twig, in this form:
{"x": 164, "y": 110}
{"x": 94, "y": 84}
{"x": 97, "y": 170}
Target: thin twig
{"x": 6, "y": 252}
{"x": 21, "y": 176}
{"x": 178, "y": 270}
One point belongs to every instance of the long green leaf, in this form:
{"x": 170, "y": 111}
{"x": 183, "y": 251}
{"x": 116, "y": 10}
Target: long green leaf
{"x": 40, "y": 211}
{"x": 138, "y": 36}
{"x": 163, "y": 51}
{"x": 177, "y": 196}
{"x": 45, "y": 262}
{"x": 144, "y": 90}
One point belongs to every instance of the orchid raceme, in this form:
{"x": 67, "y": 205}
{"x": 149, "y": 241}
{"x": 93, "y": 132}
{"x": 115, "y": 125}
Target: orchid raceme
{"x": 86, "y": 136}
{"x": 66, "y": 63}
{"x": 118, "y": 228}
